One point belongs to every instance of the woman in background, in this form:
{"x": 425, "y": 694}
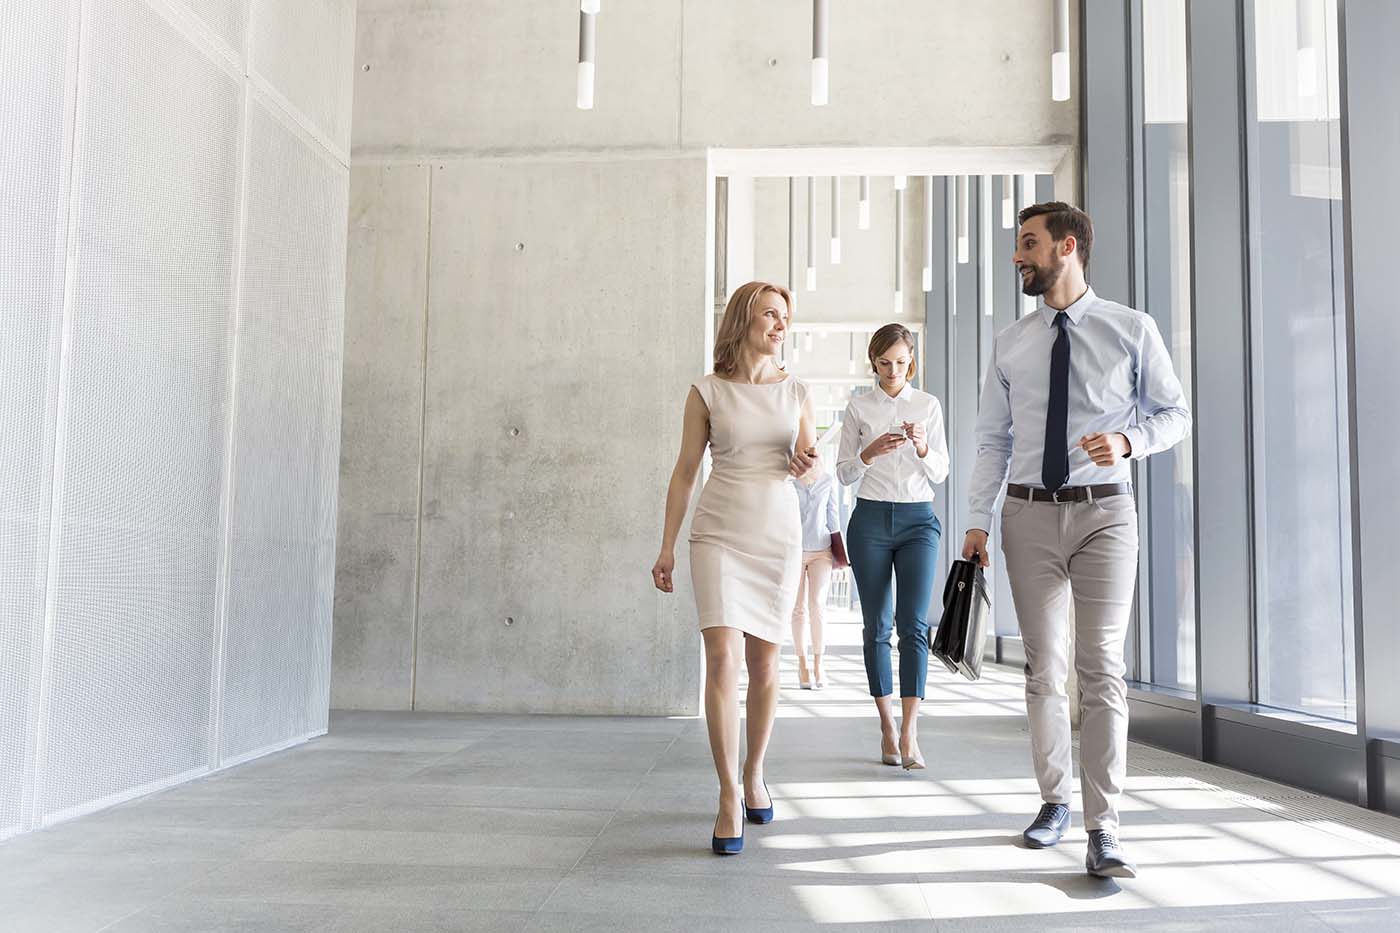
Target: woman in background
{"x": 821, "y": 528}
{"x": 893, "y": 451}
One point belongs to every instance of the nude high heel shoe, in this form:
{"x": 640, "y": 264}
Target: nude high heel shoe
{"x": 804, "y": 679}
{"x": 888, "y": 758}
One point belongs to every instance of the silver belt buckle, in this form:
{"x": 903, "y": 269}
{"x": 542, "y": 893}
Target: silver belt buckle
{"x": 1055, "y": 497}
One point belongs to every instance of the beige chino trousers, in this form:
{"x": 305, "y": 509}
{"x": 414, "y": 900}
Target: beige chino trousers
{"x": 1087, "y": 551}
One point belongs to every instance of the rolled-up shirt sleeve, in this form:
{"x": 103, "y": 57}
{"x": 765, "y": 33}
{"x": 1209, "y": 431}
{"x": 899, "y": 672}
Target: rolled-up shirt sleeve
{"x": 1165, "y": 419}
{"x": 993, "y": 448}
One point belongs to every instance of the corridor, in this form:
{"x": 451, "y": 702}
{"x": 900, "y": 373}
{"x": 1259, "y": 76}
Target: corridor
{"x": 454, "y": 822}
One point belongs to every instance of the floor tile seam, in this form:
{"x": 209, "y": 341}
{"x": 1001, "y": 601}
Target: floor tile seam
{"x": 375, "y": 789}
{"x": 219, "y": 866}
{"x": 621, "y": 804}
{"x": 768, "y": 873}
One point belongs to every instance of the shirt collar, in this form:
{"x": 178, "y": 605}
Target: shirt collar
{"x": 1075, "y": 311}
{"x": 884, "y": 396}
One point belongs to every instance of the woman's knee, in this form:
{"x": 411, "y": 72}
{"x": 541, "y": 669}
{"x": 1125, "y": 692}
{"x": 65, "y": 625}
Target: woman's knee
{"x": 913, "y": 638}
{"x": 763, "y": 670}
{"x": 721, "y": 662}
{"x": 762, "y": 663}
{"x": 876, "y": 633}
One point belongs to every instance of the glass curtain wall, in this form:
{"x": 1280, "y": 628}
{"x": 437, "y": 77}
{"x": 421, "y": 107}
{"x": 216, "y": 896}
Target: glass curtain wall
{"x": 1304, "y": 655}
{"x": 1169, "y": 649}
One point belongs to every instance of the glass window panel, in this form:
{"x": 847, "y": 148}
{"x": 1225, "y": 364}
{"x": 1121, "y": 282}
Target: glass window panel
{"x": 1304, "y": 649}
{"x": 1169, "y": 646}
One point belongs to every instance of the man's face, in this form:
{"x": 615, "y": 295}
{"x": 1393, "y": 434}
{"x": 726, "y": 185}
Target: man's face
{"x": 1038, "y": 258}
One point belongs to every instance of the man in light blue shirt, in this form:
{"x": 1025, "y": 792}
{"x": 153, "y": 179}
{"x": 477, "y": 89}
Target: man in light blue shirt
{"x": 1074, "y": 392}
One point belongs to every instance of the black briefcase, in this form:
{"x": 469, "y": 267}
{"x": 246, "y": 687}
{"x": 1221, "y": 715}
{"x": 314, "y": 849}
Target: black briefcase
{"x": 962, "y": 632}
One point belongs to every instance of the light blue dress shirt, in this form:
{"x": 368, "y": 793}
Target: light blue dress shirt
{"x": 1120, "y": 380}
{"x": 819, "y": 518}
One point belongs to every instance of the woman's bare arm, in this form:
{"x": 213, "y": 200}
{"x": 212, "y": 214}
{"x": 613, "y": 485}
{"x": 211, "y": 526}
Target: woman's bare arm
{"x": 695, "y": 435}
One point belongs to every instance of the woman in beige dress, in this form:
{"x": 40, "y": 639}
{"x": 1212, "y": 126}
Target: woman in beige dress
{"x": 746, "y": 538}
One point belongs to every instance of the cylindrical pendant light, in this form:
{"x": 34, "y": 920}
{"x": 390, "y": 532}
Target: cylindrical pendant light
{"x": 950, "y": 229}
{"x": 792, "y": 234}
{"x": 1307, "y": 48}
{"x": 811, "y": 233}
{"x": 851, "y": 364}
{"x": 1059, "y": 54}
{"x": 807, "y": 342}
{"x": 821, "y": 60}
{"x": 1025, "y": 198}
{"x": 587, "y": 50}
{"x": 835, "y": 220}
{"x": 964, "y": 247}
{"x": 928, "y": 233}
{"x": 984, "y": 242}
{"x": 1008, "y": 202}
{"x": 899, "y": 249}
{"x": 863, "y": 215}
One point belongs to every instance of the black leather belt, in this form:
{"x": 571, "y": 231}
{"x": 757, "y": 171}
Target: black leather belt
{"x": 1068, "y": 493}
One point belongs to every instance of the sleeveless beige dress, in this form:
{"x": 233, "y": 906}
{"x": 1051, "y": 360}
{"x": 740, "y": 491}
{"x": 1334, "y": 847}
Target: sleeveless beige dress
{"x": 746, "y": 537}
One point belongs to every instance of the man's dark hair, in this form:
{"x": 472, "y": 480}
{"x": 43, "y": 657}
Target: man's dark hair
{"x": 1063, "y": 220}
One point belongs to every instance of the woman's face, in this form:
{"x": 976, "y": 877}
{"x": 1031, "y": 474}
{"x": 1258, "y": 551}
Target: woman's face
{"x": 892, "y": 366}
{"x": 769, "y": 325}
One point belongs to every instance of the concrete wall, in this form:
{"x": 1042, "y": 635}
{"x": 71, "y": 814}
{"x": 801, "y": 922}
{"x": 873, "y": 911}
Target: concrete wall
{"x": 467, "y": 144}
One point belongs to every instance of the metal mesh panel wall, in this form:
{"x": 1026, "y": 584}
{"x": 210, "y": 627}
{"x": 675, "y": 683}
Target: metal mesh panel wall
{"x": 227, "y": 19}
{"x": 286, "y": 441}
{"x": 144, "y": 415}
{"x": 33, "y": 215}
{"x": 304, "y": 50}
{"x": 140, "y": 188}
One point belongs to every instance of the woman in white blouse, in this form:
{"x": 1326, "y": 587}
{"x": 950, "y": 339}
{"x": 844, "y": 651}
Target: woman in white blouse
{"x": 892, "y": 446}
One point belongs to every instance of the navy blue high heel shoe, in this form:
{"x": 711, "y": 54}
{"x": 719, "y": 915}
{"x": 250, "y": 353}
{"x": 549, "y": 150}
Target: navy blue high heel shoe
{"x": 730, "y": 845}
{"x": 760, "y": 815}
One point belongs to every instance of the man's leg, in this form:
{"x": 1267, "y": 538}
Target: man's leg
{"x": 1103, "y": 574}
{"x": 1038, "y": 573}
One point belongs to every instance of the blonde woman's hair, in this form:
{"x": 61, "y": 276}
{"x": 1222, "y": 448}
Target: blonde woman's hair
{"x": 888, "y": 336}
{"x": 738, "y": 315}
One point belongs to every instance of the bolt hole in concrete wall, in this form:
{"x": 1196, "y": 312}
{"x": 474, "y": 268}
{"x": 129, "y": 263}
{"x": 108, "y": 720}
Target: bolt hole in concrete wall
{"x": 588, "y": 341}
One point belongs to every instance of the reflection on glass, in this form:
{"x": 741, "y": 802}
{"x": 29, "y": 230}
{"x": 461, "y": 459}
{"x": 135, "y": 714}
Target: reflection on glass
{"x": 1304, "y": 646}
{"x": 1169, "y": 636}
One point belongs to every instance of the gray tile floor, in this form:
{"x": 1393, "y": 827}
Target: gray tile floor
{"x": 437, "y": 822}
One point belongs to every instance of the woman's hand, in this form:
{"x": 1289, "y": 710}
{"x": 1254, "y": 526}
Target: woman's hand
{"x": 883, "y": 444}
{"x": 661, "y": 572}
{"x": 803, "y": 462}
{"x": 918, "y": 435}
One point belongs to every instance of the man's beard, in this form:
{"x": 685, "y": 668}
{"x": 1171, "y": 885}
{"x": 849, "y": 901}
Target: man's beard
{"x": 1042, "y": 279}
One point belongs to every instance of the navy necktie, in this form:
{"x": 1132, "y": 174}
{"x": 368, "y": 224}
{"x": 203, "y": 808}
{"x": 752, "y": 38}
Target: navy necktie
{"x": 1054, "y": 467}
